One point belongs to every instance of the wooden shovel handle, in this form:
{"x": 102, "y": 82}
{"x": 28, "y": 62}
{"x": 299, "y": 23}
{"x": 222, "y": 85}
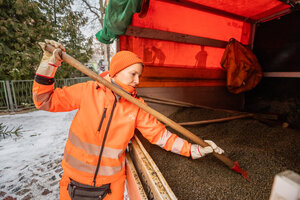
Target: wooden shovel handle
{"x": 75, "y": 63}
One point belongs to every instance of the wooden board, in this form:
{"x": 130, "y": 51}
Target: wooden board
{"x": 154, "y": 76}
{"x": 213, "y": 96}
{"x": 172, "y": 36}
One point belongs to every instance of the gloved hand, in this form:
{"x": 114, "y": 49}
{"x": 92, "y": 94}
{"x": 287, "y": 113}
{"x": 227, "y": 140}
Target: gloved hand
{"x": 50, "y": 62}
{"x": 197, "y": 151}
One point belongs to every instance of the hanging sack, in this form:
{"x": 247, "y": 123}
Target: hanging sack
{"x": 243, "y": 70}
{"x": 78, "y": 191}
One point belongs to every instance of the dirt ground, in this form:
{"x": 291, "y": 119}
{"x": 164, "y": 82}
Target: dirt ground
{"x": 260, "y": 149}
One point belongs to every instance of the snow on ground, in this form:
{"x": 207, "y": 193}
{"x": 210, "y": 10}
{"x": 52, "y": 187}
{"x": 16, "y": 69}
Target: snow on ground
{"x": 30, "y": 164}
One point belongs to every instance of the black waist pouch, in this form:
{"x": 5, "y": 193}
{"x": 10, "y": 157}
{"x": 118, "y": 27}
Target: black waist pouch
{"x": 78, "y": 191}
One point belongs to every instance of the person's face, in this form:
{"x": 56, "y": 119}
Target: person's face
{"x": 130, "y": 75}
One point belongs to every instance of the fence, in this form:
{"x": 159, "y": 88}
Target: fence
{"x": 17, "y": 94}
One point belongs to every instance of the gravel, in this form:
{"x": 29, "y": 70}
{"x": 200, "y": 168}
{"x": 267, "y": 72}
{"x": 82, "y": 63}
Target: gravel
{"x": 260, "y": 149}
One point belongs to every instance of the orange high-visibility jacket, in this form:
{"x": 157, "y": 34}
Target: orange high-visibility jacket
{"x": 94, "y": 117}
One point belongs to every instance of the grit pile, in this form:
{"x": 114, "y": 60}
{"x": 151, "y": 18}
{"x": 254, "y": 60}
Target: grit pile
{"x": 260, "y": 149}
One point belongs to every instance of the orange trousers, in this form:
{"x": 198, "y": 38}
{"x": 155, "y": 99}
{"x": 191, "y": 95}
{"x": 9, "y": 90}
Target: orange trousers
{"x": 117, "y": 189}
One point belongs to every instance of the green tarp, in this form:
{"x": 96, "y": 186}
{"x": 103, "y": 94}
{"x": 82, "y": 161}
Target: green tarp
{"x": 118, "y": 15}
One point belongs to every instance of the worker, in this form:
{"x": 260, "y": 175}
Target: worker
{"x": 94, "y": 156}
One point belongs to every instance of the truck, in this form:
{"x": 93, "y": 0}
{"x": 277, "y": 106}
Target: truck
{"x": 182, "y": 44}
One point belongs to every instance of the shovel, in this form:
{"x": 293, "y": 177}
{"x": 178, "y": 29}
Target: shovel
{"x": 75, "y": 63}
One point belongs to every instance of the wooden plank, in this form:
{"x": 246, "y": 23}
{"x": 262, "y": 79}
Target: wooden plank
{"x": 172, "y": 36}
{"x": 282, "y": 74}
{"x": 185, "y": 104}
{"x": 164, "y": 82}
{"x": 157, "y": 186}
{"x": 179, "y": 72}
{"x": 212, "y": 96}
{"x": 215, "y": 120}
{"x": 154, "y": 76}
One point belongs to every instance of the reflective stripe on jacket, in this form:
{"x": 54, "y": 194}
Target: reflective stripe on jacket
{"x": 94, "y": 103}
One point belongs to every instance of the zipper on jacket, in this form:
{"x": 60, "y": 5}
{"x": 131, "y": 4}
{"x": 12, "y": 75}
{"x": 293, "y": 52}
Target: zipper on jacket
{"x": 104, "y": 138}
{"x": 102, "y": 119}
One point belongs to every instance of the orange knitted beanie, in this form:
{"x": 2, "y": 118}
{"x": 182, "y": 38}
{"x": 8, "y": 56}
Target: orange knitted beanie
{"x": 121, "y": 60}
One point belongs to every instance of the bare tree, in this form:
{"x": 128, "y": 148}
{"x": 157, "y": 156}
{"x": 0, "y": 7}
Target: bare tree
{"x": 98, "y": 13}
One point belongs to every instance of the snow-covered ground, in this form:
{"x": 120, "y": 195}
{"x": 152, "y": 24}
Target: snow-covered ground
{"x": 30, "y": 164}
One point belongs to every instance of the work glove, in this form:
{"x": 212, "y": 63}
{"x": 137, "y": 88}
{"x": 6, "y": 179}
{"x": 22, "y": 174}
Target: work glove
{"x": 50, "y": 62}
{"x": 197, "y": 151}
